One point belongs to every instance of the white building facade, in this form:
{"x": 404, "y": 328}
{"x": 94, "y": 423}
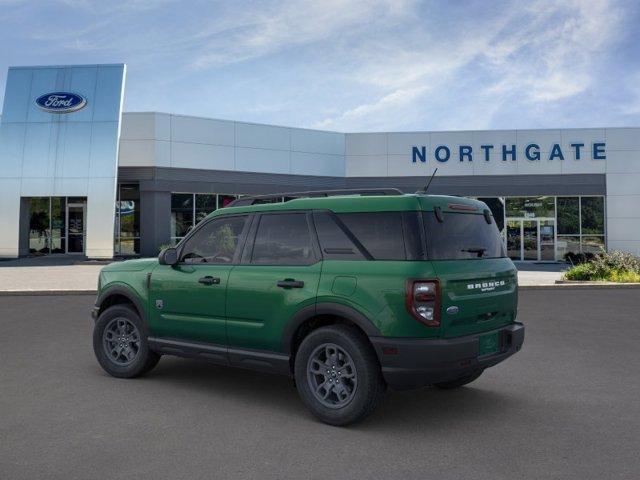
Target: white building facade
{"x": 100, "y": 182}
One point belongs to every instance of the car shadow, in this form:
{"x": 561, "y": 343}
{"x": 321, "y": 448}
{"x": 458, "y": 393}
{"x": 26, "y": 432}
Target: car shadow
{"x": 430, "y": 408}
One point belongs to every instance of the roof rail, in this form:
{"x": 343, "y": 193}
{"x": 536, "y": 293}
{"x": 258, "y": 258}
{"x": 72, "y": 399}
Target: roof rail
{"x": 286, "y": 196}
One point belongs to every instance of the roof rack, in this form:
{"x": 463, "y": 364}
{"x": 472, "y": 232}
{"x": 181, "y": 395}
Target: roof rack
{"x": 286, "y": 196}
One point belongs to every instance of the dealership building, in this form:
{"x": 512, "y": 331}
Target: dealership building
{"x": 79, "y": 176}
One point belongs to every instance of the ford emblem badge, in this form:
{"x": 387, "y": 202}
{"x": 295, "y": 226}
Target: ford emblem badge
{"x": 61, "y": 102}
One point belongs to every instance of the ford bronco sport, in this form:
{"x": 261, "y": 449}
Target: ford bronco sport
{"x": 348, "y": 294}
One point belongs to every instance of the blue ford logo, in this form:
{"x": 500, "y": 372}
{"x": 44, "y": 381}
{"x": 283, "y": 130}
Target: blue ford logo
{"x": 61, "y": 102}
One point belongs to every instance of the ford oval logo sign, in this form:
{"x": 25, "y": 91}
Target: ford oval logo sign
{"x": 61, "y": 102}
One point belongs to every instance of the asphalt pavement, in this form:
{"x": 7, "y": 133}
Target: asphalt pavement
{"x": 567, "y": 406}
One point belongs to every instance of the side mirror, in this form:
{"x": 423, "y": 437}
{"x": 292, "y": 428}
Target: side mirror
{"x": 168, "y": 256}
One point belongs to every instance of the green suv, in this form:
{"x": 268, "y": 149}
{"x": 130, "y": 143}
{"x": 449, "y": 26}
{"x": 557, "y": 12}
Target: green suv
{"x": 347, "y": 294}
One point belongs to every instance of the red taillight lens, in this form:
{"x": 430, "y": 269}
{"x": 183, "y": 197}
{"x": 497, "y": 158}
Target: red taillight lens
{"x": 423, "y": 301}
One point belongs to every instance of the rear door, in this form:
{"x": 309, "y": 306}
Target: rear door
{"x": 278, "y": 276}
{"x": 187, "y": 300}
{"x": 478, "y": 283}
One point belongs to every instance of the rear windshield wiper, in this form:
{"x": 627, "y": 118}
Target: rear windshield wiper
{"x": 480, "y": 251}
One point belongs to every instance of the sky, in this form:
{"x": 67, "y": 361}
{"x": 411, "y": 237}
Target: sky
{"x": 351, "y": 65}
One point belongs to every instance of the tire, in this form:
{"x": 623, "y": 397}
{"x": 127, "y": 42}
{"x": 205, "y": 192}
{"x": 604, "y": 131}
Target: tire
{"x": 359, "y": 386}
{"x": 460, "y": 381}
{"x": 131, "y": 358}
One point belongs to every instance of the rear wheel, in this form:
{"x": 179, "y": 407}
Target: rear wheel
{"x": 459, "y": 382}
{"x": 120, "y": 343}
{"x": 338, "y": 376}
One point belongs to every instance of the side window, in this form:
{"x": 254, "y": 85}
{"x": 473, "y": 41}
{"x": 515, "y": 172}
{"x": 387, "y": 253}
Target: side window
{"x": 283, "y": 239}
{"x": 334, "y": 242}
{"x": 214, "y": 242}
{"x": 381, "y": 233}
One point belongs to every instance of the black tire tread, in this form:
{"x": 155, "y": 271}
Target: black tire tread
{"x": 374, "y": 388}
{"x": 149, "y": 358}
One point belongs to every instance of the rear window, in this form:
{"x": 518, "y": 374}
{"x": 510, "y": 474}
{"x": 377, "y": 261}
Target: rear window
{"x": 462, "y": 236}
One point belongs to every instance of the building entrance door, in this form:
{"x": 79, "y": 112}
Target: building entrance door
{"x": 531, "y": 239}
{"x": 76, "y": 230}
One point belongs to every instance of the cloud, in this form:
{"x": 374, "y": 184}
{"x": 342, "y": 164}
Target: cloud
{"x": 347, "y": 65}
{"x": 257, "y": 32}
{"x": 536, "y": 55}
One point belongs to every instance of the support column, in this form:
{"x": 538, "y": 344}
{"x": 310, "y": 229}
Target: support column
{"x": 24, "y": 228}
{"x": 155, "y": 221}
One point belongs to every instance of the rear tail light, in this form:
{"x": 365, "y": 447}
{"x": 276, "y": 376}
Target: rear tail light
{"x": 423, "y": 301}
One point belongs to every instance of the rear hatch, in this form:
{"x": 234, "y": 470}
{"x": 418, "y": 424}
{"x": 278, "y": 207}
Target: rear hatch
{"x": 478, "y": 284}
{"x": 477, "y": 295}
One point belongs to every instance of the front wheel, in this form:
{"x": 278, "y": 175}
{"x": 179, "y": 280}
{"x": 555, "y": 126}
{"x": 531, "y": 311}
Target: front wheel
{"x": 338, "y": 376}
{"x": 120, "y": 343}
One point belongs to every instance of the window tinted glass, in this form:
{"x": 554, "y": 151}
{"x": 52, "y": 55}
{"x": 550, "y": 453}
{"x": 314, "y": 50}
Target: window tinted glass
{"x": 283, "y": 240}
{"x": 215, "y": 242}
{"x": 335, "y": 244}
{"x": 530, "y": 207}
{"x": 592, "y": 215}
{"x": 181, "y": 214}
{"x": 205, "y": 204}
{"x": 568, "y": 216}
{"x": 461, "y": 236}
{"x": 380, "y": 233}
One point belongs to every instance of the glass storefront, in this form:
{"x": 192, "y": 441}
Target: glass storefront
{"x": 57, "y": 225}
{"x": 543, "y": 228}
{"x": 127, "y": 227}
{"x": 546, "y": 228}
{"x": 187, "y": 209}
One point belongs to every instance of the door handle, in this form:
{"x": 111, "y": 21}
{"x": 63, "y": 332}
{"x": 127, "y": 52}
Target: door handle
{"x": 208, "y": 280}
{"x": 290, "y": 283}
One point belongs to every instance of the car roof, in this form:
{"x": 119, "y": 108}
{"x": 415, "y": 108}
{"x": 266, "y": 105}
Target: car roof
{"x": 368, "y": 203}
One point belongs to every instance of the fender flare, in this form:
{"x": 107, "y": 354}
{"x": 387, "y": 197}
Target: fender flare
{"x": 119, "y": 289}
{"x": 326, "y": 308}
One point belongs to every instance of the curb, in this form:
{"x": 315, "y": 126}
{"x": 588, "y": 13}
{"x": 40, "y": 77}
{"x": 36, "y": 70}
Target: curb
{"x": 22, "y": 293}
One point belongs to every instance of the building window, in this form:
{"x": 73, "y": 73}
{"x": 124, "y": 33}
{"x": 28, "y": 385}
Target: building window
{"x": 127, "y": 228}
{"x": 530, "y": 207}
{"x": 182, "y": 215}
{"x": 568, "y": 216}
{"x": 188, "y": 209}
{"x": 580, "y": 225}
{"x": 39, "y": 225}
{"x": 205, "y": 204}
{"x": 579, "y": 221}
{"x": 592, "y": 215}
{"x": 57, "y": 225}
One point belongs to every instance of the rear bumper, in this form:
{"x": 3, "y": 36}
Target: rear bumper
{"x": 413, "y": 363}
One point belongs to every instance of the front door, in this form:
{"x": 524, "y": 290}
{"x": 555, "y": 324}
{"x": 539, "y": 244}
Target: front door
{"x": 531, "y": 239}
{"x": 187, "y": 300}
{"x": 279, "y": 275}
{"x": 514, "y": 239}
{"x": 75, "y": 227}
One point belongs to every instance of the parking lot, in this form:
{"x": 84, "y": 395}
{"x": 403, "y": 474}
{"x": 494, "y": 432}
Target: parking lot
{"x": 567, "y": 406}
